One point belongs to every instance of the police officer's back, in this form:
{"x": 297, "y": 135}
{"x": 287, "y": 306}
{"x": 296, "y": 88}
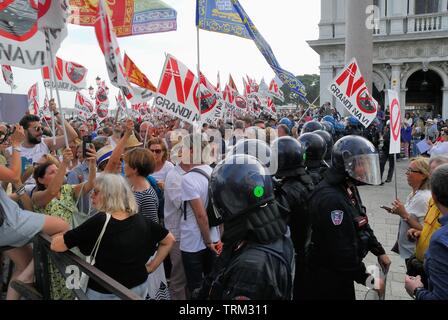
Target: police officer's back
{"x": 295, "y": 187}
{"x": 315, "y": 148}
{"x": 341, "y": 236}
{"x": 257, "y": 261}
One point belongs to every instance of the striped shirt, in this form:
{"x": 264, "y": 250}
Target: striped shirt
{"x": 148, "y": 204}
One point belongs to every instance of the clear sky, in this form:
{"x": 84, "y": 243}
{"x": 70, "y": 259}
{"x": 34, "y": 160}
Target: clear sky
{"x": 285, "y": 24}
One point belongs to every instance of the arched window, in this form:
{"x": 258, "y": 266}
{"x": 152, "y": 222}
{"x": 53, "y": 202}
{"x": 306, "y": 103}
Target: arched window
{"x": 426, "y": 6}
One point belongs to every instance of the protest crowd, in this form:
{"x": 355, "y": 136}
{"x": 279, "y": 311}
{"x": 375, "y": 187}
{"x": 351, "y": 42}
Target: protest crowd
{"x": 246, "y": 216}
{"x": 197, "y": 193}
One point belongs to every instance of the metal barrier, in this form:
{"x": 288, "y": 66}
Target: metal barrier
{"x": 42, "y": 253}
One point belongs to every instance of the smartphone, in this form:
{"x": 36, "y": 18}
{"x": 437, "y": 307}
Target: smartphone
{"x": 86, "y": 141}
{"x": 386, "y": 208}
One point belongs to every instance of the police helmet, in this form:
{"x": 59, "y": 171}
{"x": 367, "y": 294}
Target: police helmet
{"x": 328, "y": 141}
{"x": 286, "y": 122}
{"x": 358, "y": 158}
{"x": 329, "y": 119}
{"x": 253, "y": 147}
{"x": 239, "y": 184}
{"x": 311, "y": 126}
{"x": 315, "y": 146}
{"x": 287, "y": 155}
{"x": 353, "y": 121}
{"x": 328, "y": 126}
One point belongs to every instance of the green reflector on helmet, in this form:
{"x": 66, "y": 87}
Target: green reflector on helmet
{"x": 258, "y": 191}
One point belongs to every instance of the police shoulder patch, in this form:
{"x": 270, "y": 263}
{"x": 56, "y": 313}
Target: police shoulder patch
{"x": 337, "y": 216}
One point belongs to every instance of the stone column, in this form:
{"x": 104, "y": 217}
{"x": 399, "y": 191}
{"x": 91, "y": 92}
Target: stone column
{"x": 359, "y": 39}
{"x": 326, "y": 20}
{"x": 445, "y": 103}
{"x": 326, "y": 77}
{"x": 397, "y": 10}
{"x": 443, "y": 5}
{"x": 395, "y": 81}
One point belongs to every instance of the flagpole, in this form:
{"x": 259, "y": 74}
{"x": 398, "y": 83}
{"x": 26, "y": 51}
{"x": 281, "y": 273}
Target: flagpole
{"x": 199, "y": 74}
{"x": 53, "y": 75}
{"x": 395, "y": 173}
{"x": 53, "y": 123}
{"x": 310, "y": 105}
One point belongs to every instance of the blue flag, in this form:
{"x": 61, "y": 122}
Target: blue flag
{"x": 285, "y": 76}
{"x": 220, "y": 16}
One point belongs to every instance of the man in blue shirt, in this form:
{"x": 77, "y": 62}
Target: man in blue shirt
{"x": 436, "y": 258}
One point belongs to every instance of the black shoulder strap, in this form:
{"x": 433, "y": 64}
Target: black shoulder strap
{"x": 201, "y": 172}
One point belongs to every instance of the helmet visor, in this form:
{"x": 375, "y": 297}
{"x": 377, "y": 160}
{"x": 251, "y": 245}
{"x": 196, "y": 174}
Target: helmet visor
{"x": 364, "y": 168}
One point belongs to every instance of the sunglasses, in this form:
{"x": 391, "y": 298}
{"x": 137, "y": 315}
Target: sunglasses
{"x": 158, "y": 151}
{"x": 95, "y": 191}
{"x": 38, "y": 128}
{"x": 409, "y": 170}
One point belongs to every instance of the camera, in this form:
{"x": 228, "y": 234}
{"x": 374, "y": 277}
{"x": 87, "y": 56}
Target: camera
{"x": 5, "y": 135}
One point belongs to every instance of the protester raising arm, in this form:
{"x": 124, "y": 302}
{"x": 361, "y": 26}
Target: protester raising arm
{"x": 114, "y": 164}
{"x": 13, "y": 172}
{"x": 91, "y": 158}
{"x": 60, "y": 141}
{"x": 42, "y": 198}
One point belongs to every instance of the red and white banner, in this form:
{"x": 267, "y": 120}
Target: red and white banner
{"x": 211, "y": 102}
{"x": 22, "y": 43}
{"x": 275, "y": 92}
{"x": 351, "y": 90}
{"x": 52, "y": 14}
{"x": 83, "y": 106}
{"x": 395, "y": 122}
{"x": 33, "y": 99}
{"x": 271, "y": 108}
{"x": 102, "y": 111}
{"x": 101, "y": 95}
{"x": 8, "y": 76}
{"x": 178, "y": 91}
{"x": 70, "y": 76}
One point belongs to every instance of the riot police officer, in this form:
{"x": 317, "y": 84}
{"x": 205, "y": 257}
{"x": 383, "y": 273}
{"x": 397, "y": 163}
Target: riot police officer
{"x": 341, "y": 236}
{"x": 295, "y": 187}
{"x": 311, "y": 126}
{"x": 328, "y": 141}
{"x": 315, "y": 149}
{"x": 257, "y": 260}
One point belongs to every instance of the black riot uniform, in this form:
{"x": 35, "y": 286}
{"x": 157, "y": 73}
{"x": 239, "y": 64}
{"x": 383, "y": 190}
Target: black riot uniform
{"x": 316, "y": 149}
{"x": 293, "y": 192}
{"x": 257, "y": 261}
{"x": 341, "y": 236}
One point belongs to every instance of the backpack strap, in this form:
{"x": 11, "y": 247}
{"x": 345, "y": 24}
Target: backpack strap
{"x": 201, "y": 172}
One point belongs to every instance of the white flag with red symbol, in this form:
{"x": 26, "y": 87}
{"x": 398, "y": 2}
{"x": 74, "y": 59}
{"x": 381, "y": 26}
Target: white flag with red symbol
{"x": 52, "y": 14}
{"x": 275, "y": 92}
{"x": 83, "y": 106}
{"x": 211, "y": 102}
{"x": 22, "y": 43}
{"x": 8, "y": 76}
{"x": 33, "y": 99}
{"x": 178, "y": 91}
{"x": 70, "y": 76}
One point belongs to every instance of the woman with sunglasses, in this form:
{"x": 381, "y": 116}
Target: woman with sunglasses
{"x": 413, "y": 211}
{"x": 158, "y": 148}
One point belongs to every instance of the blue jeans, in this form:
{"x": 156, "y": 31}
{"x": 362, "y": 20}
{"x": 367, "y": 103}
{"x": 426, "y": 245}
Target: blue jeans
{"x": 197, "y": 265}
{"x": 140, "y": 290}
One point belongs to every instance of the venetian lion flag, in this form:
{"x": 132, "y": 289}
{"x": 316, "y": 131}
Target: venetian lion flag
{"x": 136, "y": 76}
{"x": 33, "y": 99}
{"x": 70, "y": 76}
{"x": 22, "y": 43}
{"x": 129, "y": 17}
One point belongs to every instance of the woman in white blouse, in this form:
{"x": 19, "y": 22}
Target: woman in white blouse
{"x": 413, "y": 211}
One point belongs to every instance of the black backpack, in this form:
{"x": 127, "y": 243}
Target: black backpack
{"x": 213, "y": 219}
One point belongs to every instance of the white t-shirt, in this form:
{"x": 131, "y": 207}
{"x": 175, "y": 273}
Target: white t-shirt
{"x": 194, "y": 186}
{"x": 173, "y": 201}
{"x": 161, "y": 174}
{"x": 416, "y": 206}
{"x": 30, "y": 156}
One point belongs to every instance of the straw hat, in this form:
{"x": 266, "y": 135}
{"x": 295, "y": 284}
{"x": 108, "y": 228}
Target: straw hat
{"x": 104, "y": 154}
{"x": 133, "y": 142}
